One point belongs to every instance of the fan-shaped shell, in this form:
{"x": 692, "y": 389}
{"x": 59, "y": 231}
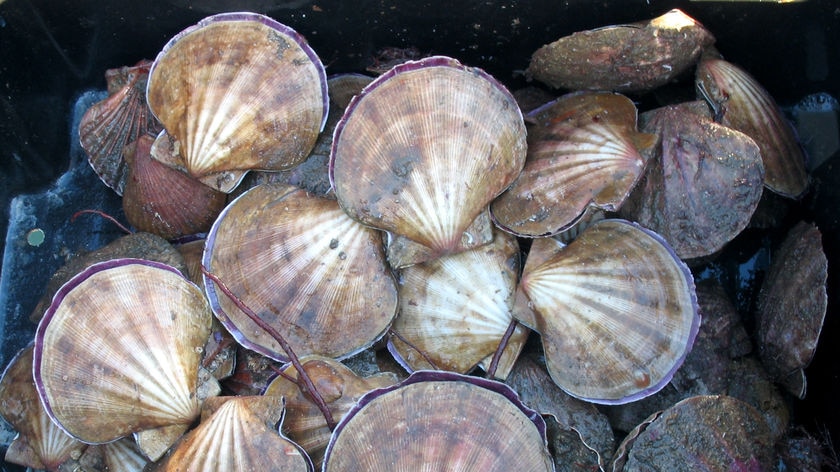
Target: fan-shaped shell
{"x": 40, "y": 443}
{"x": 740, "y": 102}
{"x": 118, "y": 351}
{"x": 315, "y": 275}
{"x": 238, "y": 91}
{"x": 456, "y": 309}
{"x": 340, "y": 388}
{"x": 236, "y": 437}
{"x": 616, "y": 310}
{"x": 581, "y": 152}
{"x": 440, "y": 421}
{"x": 424, "y": 148}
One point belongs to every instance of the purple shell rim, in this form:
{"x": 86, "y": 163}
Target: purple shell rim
{"x": 420, "y": 376}
{"x": 692, "y": 335}
{"x": 267, "y": 21}
{"x": 75, "y": 281}
{"x": 409, "y": 66}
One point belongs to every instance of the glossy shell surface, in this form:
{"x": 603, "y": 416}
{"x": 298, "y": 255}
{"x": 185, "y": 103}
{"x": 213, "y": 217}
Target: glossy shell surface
{"x": 424, "y": 148}
{"x": 304, "y": 267}
{"x": 616, "y": 310}
{"x": 118, "y": 351}
{"x": 238, "y": 91}
{"x": 439, "y": 421}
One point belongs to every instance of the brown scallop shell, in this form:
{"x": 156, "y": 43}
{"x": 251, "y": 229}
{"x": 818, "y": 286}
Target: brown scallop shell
{"x": 118, "y": 120}
{"x": 315, "y": 275}
{"x": 161, "y": 200}
{"x": 455, "y": 310}
{"x": 582, "y": 152}
{"x": 702, "y": 184}
{"x": 118, "y": 351}
{"x": 238, "y": 435}
{"x": 622, "y": 58}
{"x": 740, "y": 102}
{"x": 40, "y": 443}
{"x": 340, "y": 388}
{"x": 424, "y": 148}
{"x": 238, "y": 91}
{"x": 616, "y": 309}
{"x": 440, "y": 421}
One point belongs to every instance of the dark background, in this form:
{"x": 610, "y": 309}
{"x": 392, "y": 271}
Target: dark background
{"x": 53, "y": 51}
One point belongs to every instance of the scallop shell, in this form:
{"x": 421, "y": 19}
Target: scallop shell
{"x": 158, "y": 199}
{"x": 118, "y": 351}
{"x": 581, "y": 152}
{"x": 792, "y": 306}
{"x": 702, "y": 185}
{"x": 740, "y": 102}
{"x": 308, "y": 270}
{"x": 239, "y": 435}
{"x": 40, "y": 443}
{"x": 616, "y": 310}
{"x": 625, "y": 58}
{"x": 111, "y": 124}
{"x": 340, "y": 388}
{"x": 424, "y": 148}
{"x": 440, "y": 421}
{"x": 238, "y": 91}
{"x": 455, "y": 310}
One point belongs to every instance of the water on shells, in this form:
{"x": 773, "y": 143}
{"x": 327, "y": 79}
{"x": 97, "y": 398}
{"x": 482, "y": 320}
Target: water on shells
{"x": 119, "y": 350}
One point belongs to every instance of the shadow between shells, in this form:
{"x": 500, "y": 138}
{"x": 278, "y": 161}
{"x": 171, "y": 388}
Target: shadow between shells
{"x": 421, "y": 270}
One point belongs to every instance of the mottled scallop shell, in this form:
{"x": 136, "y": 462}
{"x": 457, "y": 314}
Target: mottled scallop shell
{"x": 616, "y": 310}
{"x": 624, "y": 58}
{"x": 340, "y": 388}
{"x": 440, "y": 421}
{"x": 740, "y": 102}
{"x": 792, "y": 305}
{"x": 161, "y": 200}
{"x": 423, "y": 149}
{"x": 40, "y": 443}
{"x": 239, "y": 435}
{"x": 118, "y": 120}
{"x": 304, "y": 267}
{"x": 455, "y": 310}
{"x": 119, "y": 349}
{"x": 582, "y": 152}
{"x": 238, "y": 91}
{"x": 702, "y": 184}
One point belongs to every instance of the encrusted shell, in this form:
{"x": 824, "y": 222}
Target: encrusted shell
{"x": 740, "y": 102}
{"x": 423, "y": 149}
{"x": 455, "y": 310}
{"x": 238, "y": 91}
{"x": 582, "y": 152}
{"x": 304, "y": 267}
{"x": 340, "y": 388}
{"x": 119, "y": 349}
{"x": 239, "y": 435}
{"x": 616, "y": 310}
{"x": 40, "y": 443}
{"x": 440, "y": 421}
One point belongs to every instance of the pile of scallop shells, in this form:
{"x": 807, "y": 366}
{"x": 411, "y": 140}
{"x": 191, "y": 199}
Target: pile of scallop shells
{"x": 416, "y": 271}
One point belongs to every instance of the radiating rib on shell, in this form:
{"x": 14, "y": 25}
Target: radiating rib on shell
{"x": 239, "y": 91}
{"x": 317, "y": 276}
{"x": 40, "y": 443}
{"x": 340, "y": 388}
{"x": 456, "y": 309}
{"x": 439, "y": 421}
{"x": 616, "y": 310}
{"x": 236, "y": 438}
{"x": 118, "y": 350}
{"x": 740, "y": 102}
{"x": 424, "y": 149}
